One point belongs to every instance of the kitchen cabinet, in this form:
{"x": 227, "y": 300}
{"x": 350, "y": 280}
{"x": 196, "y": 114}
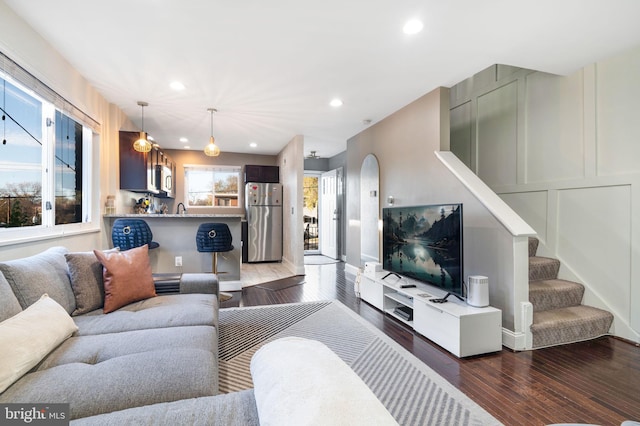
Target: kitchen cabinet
{"x": 151, "y": 172}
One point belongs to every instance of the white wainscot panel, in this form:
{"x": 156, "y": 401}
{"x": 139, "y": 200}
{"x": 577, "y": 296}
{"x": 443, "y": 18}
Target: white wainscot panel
{"x": 595, "y": 240}
{"x": 497, "y": 135}
{"x": 617, "y": 111}
{"x": 460, "y": 143}
{"x": 532, "y": 208}
{"x": 554, "y": 143}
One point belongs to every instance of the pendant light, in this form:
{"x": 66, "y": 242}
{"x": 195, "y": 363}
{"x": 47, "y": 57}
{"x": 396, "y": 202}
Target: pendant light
{"x": 212, "y": 150}
{"x": 142, "y": 144}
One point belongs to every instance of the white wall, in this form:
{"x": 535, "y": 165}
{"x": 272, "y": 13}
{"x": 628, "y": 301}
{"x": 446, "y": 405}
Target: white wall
{"x": 563, "y": 152}
{"x": 404, "y": 144}
{"x": 291, "y": 162}
{"x": 24, "y": 46}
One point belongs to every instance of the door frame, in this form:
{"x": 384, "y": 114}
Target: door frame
{"x": 317, "y": 174}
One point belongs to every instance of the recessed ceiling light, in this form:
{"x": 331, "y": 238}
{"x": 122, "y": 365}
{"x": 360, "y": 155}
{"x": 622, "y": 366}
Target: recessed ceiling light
{"x": 413, "y": 26}
{"x": 184, "y": 140}
{"x": 336, "y": 103}
{"x": 253, "y": 145}
{"x": 187, "y": 147}
{"x": 176, "y": 85}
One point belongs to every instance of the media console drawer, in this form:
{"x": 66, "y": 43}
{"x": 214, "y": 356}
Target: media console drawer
{"x": 462, "y": 330}
{"x": 459, "y": 328}
{"x": 437, "y": 325}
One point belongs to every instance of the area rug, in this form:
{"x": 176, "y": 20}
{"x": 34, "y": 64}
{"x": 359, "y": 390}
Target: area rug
{"x": 318, "y": 259}
{"x": 413, "y": 393}
{"x": 282, "y": 283}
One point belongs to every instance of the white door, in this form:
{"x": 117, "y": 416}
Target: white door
{"x": 328, "y": 220}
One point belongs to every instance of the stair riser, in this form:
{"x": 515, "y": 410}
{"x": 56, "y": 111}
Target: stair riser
{"x": 563, "y": 335}
{"x": 533, "y": 246}
{"x": 543, "y": 269}
{"x": 554, "y": 294}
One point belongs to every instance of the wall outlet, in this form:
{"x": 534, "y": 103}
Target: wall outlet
{"x": 178, "y": 260}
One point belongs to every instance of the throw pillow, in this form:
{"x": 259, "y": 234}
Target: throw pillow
{"x": 85, "y": 271}
{"x": 46, "y": 272}
{"x": 127, "y": 277}
{"x": 9, "y": 305}
{"x": 29, "y": 336}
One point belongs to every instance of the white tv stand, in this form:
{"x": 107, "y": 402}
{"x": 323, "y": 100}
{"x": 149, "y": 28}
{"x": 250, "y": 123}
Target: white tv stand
{"x": 461, "y": 329}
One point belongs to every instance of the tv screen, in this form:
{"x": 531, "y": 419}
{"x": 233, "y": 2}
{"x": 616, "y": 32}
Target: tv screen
{"x": 425, "y": 243}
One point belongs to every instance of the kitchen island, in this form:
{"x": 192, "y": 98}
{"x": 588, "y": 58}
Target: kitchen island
{"x": 176, "y": 234}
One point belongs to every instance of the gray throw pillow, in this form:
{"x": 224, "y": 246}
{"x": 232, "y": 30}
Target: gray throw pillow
{"x": 85, "y": 271}
{"x": 46, "y": 272}
{"x": 9, "y": 305}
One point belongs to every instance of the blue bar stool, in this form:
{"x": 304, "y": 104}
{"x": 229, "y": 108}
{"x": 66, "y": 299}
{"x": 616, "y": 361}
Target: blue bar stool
{"x": 214, "y": 238}
{"x": 131, "y": 233}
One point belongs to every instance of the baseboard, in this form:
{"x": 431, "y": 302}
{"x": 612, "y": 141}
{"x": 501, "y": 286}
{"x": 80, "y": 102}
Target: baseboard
{"x": 514, "y": 341}
{"x": 350, "y": 269}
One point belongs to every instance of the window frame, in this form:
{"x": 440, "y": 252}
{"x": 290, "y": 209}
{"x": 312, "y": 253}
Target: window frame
{"x": 212, "y": 169}
{"x": 90, "y": 190}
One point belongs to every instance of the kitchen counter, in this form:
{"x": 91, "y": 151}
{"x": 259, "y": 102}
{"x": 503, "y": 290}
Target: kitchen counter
{"x": 184, "y": 216}
{"x": 176, "y": 234}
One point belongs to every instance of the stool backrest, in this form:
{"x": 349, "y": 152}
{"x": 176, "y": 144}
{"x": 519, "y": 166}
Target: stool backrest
{"x": 214, "y": 237}
{"x": 130, "y": 233}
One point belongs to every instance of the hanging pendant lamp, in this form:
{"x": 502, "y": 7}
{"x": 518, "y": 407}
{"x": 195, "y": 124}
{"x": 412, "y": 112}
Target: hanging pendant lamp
{"x": 212, "y": 150}
{"x": 142, "y": 144}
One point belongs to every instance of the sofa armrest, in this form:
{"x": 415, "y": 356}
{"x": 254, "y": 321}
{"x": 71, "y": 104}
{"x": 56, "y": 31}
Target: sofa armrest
{"x": 199, "y": 283}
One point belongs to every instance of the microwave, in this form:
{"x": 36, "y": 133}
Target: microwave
{"x": 164, "y": 180}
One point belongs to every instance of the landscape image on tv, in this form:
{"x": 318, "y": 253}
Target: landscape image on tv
{"x": 425, "y": 243}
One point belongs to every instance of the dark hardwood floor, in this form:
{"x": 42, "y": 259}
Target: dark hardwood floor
{"x": 596, "y": 382}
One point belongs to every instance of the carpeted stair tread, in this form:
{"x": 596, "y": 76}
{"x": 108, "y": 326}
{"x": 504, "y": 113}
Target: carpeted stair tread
{"x": 554, "y": 294}
{"x": 533, "y": 246}
{"x": 569, "y": 325}
{"x": 543, "y": 268}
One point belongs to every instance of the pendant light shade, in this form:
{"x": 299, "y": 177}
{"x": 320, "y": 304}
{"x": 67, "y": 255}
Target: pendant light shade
{"x": 142, "y": 144}
{"x": 212, "y": 150}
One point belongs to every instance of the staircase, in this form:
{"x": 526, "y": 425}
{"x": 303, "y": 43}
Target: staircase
{"x": 558, "y": 315}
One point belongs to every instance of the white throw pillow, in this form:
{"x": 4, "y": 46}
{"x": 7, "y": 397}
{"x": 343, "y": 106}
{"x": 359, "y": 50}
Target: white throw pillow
{"x": 27, "y": 337}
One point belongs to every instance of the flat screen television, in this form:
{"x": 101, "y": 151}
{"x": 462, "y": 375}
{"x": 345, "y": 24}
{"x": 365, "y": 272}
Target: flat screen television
{"x": 425, "y": 243}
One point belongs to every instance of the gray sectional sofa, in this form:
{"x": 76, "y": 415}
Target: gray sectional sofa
{"x": 154, "y": 361}
{"x": 160, "y": 350}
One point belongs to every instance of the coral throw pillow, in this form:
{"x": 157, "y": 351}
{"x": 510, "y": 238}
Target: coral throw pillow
{"x": 127, "y": 277}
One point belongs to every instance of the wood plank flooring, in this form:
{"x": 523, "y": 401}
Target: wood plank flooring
{"x": 595, "y": 382}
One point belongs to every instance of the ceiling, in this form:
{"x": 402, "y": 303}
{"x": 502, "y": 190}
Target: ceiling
{"x": 272, "y": 67}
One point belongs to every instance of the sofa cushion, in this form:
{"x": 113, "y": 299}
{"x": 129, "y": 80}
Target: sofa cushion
{"x": 127, "y": 277}
{"x": 46, "y": 272}
{"x": 122, "y": 382}
{"x": 103, "y": 347}
{"x": 232, "y": 409}
{"x": 9, "y": 305}
{"x": 171, "y": 310}
{"x": 85, "y": 273}
{"x": 29, "y": 336}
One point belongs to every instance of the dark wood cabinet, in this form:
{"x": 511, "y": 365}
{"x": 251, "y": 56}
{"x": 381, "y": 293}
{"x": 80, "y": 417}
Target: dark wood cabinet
{"x": 267, "y": 174}
{"x": 152, "y": 172}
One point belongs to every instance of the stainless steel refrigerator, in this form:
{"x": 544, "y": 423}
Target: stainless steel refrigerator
{"x": 264, "y": 221}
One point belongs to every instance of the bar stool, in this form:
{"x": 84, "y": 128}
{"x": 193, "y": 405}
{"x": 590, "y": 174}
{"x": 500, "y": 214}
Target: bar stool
{"x": 214, "y": 238}
{"x": 130, "y": 233}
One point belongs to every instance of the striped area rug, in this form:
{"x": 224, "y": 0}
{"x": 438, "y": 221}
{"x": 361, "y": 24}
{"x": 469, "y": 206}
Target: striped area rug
{"x": 412, "y": 392}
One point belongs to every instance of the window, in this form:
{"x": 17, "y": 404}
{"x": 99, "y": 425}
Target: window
{"x": 208, "y": 186}
{"x": 43, "y": 181}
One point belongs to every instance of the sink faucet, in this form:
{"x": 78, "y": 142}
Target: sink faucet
{"x": 184, "y": 209}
